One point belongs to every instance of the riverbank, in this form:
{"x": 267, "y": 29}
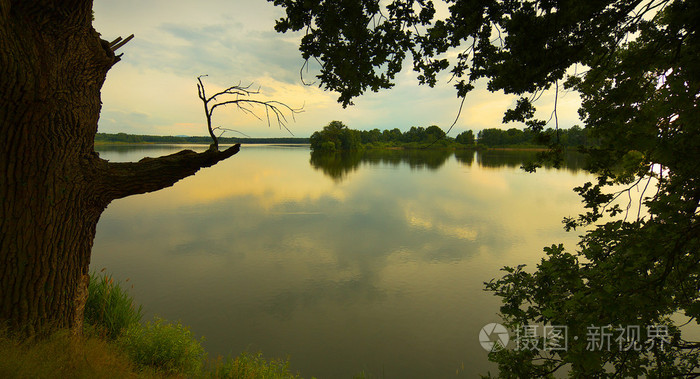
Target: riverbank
{"x": 62, "y": 355}
{"x": 115, "y": 343}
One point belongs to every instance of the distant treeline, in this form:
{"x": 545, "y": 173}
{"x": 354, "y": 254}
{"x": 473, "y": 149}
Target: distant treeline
{"x": 573, "y": 137}
{"x": 337, "y": 136}
{"x": 134, "y": 138}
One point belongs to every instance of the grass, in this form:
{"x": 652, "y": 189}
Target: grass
{"x": 109, "y": 308}
{"x": 116, "y": 344}
{"x": 64, "y": 356}
{"x": 167, "y": 347}
{"x": 251, "y": 366}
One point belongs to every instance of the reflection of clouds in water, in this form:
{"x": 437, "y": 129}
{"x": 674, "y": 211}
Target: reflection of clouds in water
{"x": 343, "y": 247}
{"x": 310, "y": 231}
{"x": 269, "y": 181}
{"x": 315, "y": 294}
{"x": 461, "y": 232}
{"x": 264, "y": 247}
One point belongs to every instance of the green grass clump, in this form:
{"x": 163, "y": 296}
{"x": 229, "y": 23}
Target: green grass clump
{"x": 252, "y": 366}
{"x": 109, "y": 308}
{"x": 169, "y": 348}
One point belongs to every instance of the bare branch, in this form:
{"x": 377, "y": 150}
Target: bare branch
{"x": 224, "y": 130}
{"x": 202, "y": 96}
{"x": 119, "y": 43}
{"x": 301, "y": 73}
{"x": 152, "y": 174}
{"x": 242, "y": 98}
{"x": 115, "y": 42}
{"x": 236, "y": 90}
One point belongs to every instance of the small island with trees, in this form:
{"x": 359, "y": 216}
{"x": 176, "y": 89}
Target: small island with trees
{"x": 337, "y": 136}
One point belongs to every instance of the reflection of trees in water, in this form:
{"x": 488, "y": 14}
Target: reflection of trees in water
{"x": 339, "y": 164}
{"x": 336, "y": 164}
{"x": 465, "y": 157}
{"x": 414, "y": 158}
{"x": 573, "y": 161}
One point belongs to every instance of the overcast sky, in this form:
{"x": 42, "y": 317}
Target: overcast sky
{"x": 152, "y": 90}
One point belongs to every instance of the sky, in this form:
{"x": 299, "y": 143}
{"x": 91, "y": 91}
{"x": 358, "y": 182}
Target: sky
{"x": 152, "y": 90}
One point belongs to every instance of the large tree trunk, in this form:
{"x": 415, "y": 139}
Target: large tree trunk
{"x": 53, "y": 187}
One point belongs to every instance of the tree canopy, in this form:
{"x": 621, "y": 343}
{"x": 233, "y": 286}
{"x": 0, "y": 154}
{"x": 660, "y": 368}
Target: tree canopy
{"x": 572, "y": 137}
{"x": 636, "y": 66}
{"x": 336, "y": 136}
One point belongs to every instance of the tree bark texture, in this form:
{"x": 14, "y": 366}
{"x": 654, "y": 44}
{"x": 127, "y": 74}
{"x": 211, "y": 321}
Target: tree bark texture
{"x": 53, "y": 187}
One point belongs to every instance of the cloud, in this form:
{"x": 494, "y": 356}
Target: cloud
{"x": 235, "y": 41}
{"x": 225, "y": 52}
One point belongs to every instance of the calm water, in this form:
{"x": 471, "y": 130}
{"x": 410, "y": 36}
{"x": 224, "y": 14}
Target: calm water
{"x": 344, "y": 263}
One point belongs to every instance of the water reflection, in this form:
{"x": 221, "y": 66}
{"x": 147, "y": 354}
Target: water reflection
{"x": 125, "y": 152}
{"x": 338, "y": 165}
{"x": 346, "y": 263}
{"x": 465, "y": 157}
{"x": 415, "y": 159}
{"x": 573, "y": 161}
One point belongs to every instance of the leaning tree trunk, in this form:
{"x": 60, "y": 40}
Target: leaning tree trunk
{"x": 53, "y": 187}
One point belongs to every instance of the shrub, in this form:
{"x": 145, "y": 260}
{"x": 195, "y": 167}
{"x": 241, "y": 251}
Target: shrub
{"x": 170, "y": 348}
{"x": 109, "y": 308}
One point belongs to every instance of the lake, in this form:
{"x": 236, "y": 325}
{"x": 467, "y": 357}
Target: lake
{"x": 344, "y": 262}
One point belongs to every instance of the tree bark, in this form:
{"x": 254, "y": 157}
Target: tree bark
{"x": 53, "y": 187}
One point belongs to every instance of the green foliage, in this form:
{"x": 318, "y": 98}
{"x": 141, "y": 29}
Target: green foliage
{"x": 362, "y": 46}
{"x": 62, "y": 355}
{"x": 573, "y": 137}
{"x": 498, "y": 137}
{"x": 335, "y": 136}
{"x": 117, "y": 345}
{"x": 327, "y": 146}
{"x": 640, "y": 90}
{"x": 631, "y": 268}
{"x": 109, "y": 308}
{"x": 465, "y": 138}
{"x": 169, "y": 348}
{"x": 252, "y": 366}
